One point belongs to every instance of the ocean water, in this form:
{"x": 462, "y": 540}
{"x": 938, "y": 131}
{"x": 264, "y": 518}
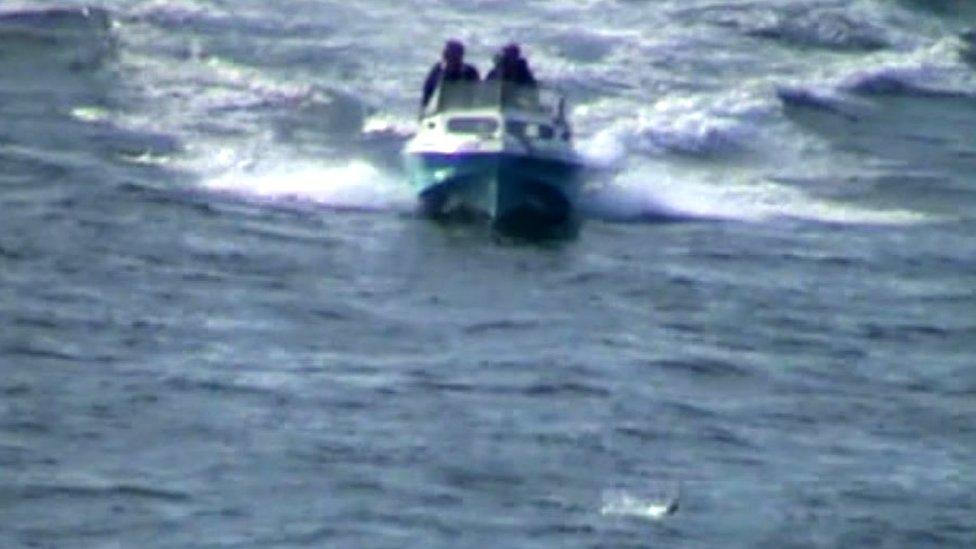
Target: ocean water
{"x": 223, "y": 325}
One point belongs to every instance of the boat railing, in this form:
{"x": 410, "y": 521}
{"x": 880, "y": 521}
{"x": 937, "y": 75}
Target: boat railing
{"x": 497, "y": 94}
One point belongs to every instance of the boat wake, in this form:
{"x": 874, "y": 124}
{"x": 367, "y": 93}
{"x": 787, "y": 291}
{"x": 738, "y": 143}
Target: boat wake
{"x": 354, "y": 185}
{"x": 646, "y": 196}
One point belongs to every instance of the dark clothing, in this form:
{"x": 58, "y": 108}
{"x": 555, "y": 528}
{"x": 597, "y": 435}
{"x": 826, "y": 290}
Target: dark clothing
{"x": 439, "y": 73}
{"x": 512, "y": 70}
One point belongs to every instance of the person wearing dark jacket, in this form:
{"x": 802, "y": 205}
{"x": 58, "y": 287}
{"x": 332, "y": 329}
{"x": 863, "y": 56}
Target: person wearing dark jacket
{"x": 451, "y": 68}
{"x": 512, "y": 67}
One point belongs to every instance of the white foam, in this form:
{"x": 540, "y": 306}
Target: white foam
{"x": 350, "y": 185}
{"x": 606, "y": 149}
{"x": 621, "y": 503}
{"x": 699, "y": 125}
{"x": 662, "y": 192}
{"x": 382, "y": 123}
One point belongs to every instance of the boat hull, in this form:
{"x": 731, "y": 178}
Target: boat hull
{"x": 518, "y": 193}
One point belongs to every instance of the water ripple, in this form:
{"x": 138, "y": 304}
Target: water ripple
{"x": 40, "y": 491}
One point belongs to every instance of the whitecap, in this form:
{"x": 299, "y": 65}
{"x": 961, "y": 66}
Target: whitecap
{"x": 624, "y": 504}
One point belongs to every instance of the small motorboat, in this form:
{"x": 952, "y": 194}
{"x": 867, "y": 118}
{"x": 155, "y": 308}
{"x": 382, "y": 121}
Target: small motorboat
{"x": 498, "y": 150}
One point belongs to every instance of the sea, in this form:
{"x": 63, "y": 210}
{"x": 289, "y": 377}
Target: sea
{"x": 223, "y": 323}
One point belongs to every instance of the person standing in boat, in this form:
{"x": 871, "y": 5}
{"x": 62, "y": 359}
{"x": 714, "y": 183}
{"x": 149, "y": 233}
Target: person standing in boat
{"x": 510, "y": 66}
{"x": 451, "y": 68}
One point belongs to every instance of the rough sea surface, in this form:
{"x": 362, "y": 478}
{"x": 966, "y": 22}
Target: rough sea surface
{"x": 222, "y": 324}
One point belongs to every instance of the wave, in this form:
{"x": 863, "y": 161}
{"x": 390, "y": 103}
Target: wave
{"x": 72, "y": 38}
{"x": 933, "y": 71}
{"x": 833, "y": 30}
{"x": 51, "y": 20}
{"x": 701, "y": 366}
{"x": 33, "y": 351}
{"x": 821, "y": 100}
{"x": 905, "y": 81}
{"x": 210, "y": 103}
{"x": 967, "y": 51}
{"x": 809, "y": 26}
{"x": 952, "y": 9}
{"x": 92, "y": 488}
{"x": 185, "y": 15}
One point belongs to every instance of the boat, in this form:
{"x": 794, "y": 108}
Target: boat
{"x": 498, "y": 150}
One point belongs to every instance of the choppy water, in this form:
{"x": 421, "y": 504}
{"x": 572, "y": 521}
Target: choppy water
{"x": 222, "y": 325}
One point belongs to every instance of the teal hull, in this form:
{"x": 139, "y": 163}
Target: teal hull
{"x": 519, "y": 194}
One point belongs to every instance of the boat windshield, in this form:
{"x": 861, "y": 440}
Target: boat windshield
{"x": 496, "y": 94}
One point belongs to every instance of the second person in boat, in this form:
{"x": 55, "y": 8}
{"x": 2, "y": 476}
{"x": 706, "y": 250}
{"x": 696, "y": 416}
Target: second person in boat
{"x": 510, "y": 66}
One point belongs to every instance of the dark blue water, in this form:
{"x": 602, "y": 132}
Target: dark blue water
{"x": 224, "y": 326}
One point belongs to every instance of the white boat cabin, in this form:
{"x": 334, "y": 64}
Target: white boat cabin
{"x": 493, "y": 115}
